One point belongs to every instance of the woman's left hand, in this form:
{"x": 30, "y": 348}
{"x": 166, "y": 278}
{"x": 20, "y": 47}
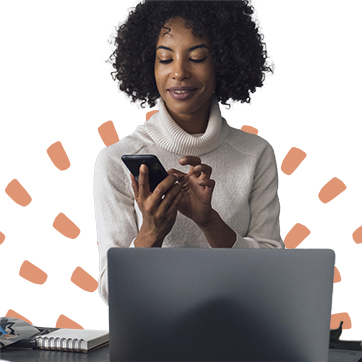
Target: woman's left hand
{"x": 197, "y": 188}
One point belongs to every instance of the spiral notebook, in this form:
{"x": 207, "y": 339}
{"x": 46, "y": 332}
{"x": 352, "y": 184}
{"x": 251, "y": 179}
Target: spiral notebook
{"x": 72, "y": 340}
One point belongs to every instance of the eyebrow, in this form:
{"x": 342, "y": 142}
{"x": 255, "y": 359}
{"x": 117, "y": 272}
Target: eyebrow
{"x": 189, "y": 50}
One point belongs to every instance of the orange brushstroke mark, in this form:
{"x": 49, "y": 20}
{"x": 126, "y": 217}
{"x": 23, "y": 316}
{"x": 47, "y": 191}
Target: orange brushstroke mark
{"x": 292, "y": 160}
{"x": 337, "y": 276}
{"x": 249, "y": 129}
{"x": 331, "y": 190}
{"x": 13, "y": 314}
{"x": 150, "y": 114}
{"x": 58, "y": 156}
{"x": 66, "y": 226}
{"x": 83, "y": 280}
{"x": 357, "y": 235}
{"x": 2, "y": 237}
{"x": 337, "y": 318}
{"x": 65, "y": 322}
{"x": 32, "y": 273}
{"x": 296, "y": 235}
{"x": 108, "y": 133}
{"x": 17, "y": 193}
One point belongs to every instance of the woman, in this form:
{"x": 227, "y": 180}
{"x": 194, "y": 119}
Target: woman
{"x": 222, "y": 185}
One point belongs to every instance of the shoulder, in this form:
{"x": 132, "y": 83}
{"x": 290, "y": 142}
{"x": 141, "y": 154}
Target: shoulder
{"x": 248, "y": 143}
{"x": 109, "y": 158}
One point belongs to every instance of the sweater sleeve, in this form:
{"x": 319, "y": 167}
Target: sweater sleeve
{"x": 114, "y": 211}
{"x": 264, "y": 229}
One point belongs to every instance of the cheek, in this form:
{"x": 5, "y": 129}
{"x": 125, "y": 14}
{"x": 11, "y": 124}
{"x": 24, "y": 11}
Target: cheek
{"x": 158, "y": 81}
{"x": 210, "y": 77}
{"x": 159, "y": 77}
{"x": 210, "y": 80}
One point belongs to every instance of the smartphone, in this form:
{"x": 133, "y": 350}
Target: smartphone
{"x": 156, "y": 172}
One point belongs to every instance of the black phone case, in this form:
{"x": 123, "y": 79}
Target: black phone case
{"x": 156, "y": 171}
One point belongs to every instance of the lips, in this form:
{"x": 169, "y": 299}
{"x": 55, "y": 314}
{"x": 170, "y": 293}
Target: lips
{"x": 172, "y": 89}
{"x": 182, "y": 93}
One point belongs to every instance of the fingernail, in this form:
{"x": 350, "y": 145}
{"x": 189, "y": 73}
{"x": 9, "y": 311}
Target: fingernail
{"x": 143, "y": 168}
{"x": 183, "y": 159}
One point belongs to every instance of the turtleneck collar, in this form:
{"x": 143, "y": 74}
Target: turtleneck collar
{"x": 166, "y": 133}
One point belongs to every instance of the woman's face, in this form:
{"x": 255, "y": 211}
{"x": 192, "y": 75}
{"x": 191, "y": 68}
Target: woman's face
{"x": 183, "y": 60}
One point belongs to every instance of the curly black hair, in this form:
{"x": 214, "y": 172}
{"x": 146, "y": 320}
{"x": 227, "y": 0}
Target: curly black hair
{"x": 237, "y": 47}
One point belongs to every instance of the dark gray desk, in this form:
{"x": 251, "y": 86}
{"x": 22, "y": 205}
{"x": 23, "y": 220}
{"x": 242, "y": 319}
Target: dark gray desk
{"x": 38, "y": 355}
{"x": 98, "y": 355}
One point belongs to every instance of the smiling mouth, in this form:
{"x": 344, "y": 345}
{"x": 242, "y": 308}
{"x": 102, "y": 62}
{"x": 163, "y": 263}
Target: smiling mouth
{"x": 183, "y": 94}
{"x": 180, "y": 92}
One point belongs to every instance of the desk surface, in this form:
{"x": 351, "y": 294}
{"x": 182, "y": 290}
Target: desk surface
{"x": 102, "y": 355}
{"x": 40, "y": 355}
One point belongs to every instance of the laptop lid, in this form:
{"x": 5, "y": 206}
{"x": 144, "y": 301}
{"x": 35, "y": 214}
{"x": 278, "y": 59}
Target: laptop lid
{"x": 168, "y": 304}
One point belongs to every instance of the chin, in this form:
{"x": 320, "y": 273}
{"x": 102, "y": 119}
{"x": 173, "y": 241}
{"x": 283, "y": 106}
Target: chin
{"x": 181, "y": 108}
{"x": 184, "y": 106}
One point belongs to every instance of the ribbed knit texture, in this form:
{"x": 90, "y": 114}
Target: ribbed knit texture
{"x": 165, "y": 132}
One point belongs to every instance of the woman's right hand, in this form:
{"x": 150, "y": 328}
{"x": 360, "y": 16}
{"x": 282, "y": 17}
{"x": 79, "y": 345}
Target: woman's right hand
{"x": 159, "y": 213}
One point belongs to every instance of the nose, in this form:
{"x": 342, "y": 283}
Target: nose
{"x": 180, "y": 70}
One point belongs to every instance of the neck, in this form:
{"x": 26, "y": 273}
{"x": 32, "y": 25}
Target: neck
{"x": 168, "y": 135}
{"x": 195, "y": 122}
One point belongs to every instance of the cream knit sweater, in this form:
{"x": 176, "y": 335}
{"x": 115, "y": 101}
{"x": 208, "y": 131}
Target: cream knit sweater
{"x": 245, "y": 193}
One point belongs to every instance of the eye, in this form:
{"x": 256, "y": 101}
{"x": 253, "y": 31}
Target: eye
{"x": 193, "y": 60}
{"x": 165, "y": 61}
{"x": 198, "y": 60}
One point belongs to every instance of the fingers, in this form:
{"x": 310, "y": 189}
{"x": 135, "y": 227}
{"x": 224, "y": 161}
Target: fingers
{"x": 204, "y": 169}
{"x": 197, "y": 167}
{"x": 164, "y": 187}
{"x": 175, "y": 204}
{"x": 164, "y": 196}
{"x": 190, "y": 160}
{"x": 142, "y": 187}
{"x": 210, "y": 184}
{"x": 160, "y": 207}
{"x": 143, "y": 183}
{"x": 173, "y": 195}
{"x": 176, "y": 172}
{"x": 134, "y": 185}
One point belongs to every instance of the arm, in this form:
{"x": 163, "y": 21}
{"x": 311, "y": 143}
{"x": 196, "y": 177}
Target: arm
{"x": 196, "y": 203}
{"x": 218, "y": 233}
{"x": 114, "y": 197}
{"x": 114, "y": 210}
{"x": 264, "y": 229}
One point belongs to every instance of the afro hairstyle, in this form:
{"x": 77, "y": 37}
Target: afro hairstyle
{"x": 237, "y": 48}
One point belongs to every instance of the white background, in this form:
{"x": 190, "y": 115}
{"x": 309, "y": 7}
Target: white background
{"x": 56, "y": 86}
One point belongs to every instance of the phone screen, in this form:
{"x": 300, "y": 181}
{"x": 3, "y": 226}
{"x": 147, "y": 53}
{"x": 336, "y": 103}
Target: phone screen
{"x": 156, "y": 171}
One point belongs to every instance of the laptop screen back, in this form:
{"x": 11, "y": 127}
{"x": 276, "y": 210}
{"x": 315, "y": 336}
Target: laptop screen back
{"x": 219, "y": 304}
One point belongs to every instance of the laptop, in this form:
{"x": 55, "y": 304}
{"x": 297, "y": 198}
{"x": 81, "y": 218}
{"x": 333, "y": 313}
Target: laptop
{"x": 172, "y": 304}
